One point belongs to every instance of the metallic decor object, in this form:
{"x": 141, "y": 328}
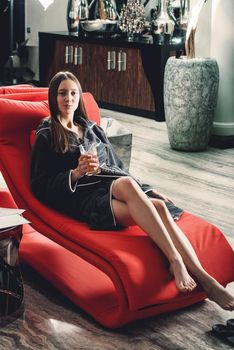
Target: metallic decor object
{"x": 184, "y": 14}
{"x": 11, "y": 283}
{"x": 163, "y": 25}
{"x": 99, "y": 26}
{"x": 103, "y": 9}
{"x": 77, "y": 10}
{"x": 103, "y": 18}
{"x": 132, "y": 19}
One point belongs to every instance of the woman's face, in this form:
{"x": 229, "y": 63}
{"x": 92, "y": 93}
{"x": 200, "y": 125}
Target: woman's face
{"x": 68, "y": 98}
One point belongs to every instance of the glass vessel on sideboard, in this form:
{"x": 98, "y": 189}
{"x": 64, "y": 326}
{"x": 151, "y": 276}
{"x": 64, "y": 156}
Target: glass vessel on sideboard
{"x": 184, "y": 13}
{"x": 77, "y": 10}
{"x": 103, "y": 9}
{"x": 163, "y": 25}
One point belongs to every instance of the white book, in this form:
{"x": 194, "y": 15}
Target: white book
{"x": 11, "y": 217}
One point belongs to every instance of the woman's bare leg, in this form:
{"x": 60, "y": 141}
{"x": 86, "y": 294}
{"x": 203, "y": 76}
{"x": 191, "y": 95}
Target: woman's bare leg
{"x": 214, "y": 290}
{"x": 135, "y": 209}
{"x": 131, "y": 206}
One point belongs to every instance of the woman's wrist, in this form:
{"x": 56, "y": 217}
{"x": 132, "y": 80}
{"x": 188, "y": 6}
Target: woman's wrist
{"x": 76, "y": 175}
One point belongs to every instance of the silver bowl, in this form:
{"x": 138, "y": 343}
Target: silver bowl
{"x": 99, "y": 25}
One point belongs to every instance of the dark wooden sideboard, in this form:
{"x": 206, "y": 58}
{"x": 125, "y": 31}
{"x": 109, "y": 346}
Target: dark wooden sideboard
{"x": 122, "y": 75}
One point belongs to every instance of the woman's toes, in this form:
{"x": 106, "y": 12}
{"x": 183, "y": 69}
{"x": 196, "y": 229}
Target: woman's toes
{"x": 184, "y": 286}
{"x": 220, "y": 296}
{"x": 193, "y": 284}
{"x": 184, "y": 282}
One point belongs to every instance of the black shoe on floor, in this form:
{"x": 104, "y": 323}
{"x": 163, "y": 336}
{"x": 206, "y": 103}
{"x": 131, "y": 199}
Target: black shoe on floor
{"x": 230, "y": 323}
{"x": 224, "y": 332}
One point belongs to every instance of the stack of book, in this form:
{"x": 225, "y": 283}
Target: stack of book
{"x": 10, "y": 218}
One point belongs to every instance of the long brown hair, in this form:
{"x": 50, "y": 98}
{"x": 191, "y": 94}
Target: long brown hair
{"x": 59, "y": 134}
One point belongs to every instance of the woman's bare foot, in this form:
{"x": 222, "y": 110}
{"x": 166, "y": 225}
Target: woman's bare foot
{"x": 184, "y": 282}
{"x": 217, "y": 293}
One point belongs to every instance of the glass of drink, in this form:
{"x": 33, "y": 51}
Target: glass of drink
{"x": 89, "y": 149}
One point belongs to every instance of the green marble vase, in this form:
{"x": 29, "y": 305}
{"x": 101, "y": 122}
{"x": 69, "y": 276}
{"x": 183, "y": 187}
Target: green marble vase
{"x": 190, "y": 98}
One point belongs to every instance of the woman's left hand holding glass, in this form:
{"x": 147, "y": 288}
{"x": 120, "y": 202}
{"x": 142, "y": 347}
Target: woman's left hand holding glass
{"x": 89, "y": 158}
{"x": 89, "y": 164}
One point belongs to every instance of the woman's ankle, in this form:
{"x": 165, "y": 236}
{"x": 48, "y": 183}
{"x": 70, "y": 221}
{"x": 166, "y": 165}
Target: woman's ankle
{"x": 175, "y": 258}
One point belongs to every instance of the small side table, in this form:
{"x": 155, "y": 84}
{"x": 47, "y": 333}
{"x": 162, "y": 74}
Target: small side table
{"x": 120, "y": 138}
{"x": 11, "y": 283}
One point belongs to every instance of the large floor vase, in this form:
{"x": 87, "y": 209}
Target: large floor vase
{"x": 190, "y": 98}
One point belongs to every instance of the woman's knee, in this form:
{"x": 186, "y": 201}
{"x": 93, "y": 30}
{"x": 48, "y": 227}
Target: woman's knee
{"x": 125, "y": 185}
{"x": 160, "y": 206}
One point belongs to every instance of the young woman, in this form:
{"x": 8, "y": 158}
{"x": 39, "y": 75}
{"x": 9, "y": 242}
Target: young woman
{"x": 111, "y": 198}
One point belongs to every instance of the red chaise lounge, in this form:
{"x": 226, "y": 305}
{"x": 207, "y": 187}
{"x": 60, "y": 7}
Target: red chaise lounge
{"x": 116, "y": 277}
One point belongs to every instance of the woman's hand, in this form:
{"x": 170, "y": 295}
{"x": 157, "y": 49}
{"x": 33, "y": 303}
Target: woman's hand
{"x": 87, "y": 164}
{"x": 162, "y": 196}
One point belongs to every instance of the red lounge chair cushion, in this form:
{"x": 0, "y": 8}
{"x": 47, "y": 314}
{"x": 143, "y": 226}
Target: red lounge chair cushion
{"x": 26, "y": 96}
{"x": 150, "y": 287}
{"x": 122, "y": 275}
{"x": 14, "y": 88}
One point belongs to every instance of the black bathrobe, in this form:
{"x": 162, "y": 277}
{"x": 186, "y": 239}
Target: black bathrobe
{"x": 90, "y": 199}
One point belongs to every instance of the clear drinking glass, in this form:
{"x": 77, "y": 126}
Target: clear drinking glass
{"x": 89, "y": 149}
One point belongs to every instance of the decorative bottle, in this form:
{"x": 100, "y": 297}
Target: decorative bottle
{"x": 103, "y": 9}
{"x": 184, "y": 14}
{"x": 77, "y": 10}
{"x": 163, "y": 25}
